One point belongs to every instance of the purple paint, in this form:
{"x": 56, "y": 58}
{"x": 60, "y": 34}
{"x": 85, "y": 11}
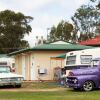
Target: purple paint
{"x": 87, "y": 78}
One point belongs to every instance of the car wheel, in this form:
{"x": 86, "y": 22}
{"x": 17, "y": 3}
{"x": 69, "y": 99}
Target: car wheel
{"x": 88, "y": 86}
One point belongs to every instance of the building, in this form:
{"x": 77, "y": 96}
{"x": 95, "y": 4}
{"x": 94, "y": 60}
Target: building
{"x": 92, "y": 42}
{"x": 36, "y": 63}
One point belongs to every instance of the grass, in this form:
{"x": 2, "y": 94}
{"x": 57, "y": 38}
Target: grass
{"x": 66, "y": 94}
{"x": 59, "y": 95}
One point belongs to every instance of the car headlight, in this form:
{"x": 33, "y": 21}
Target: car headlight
{"x": 19, "y": 79}
{"x": 70, "y": 74}
{"x": 22, "y": 78}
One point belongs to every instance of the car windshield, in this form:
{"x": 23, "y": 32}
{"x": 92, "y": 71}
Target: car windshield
{"x": 95, "y": 63}
{"x": 4, "y": 69}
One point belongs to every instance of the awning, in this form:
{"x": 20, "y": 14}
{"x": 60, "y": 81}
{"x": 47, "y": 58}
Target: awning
{"x": 59, "y": 57}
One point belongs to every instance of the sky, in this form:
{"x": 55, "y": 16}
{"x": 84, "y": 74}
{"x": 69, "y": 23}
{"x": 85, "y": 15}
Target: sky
{"x": 46, "y": 13}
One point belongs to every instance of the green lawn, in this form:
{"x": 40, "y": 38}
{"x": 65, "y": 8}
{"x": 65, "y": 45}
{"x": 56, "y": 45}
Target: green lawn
{"x": 60, "y": 95}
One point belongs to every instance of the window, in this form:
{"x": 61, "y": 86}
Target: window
{"x": 95, "y": 63}
{"x": 71, "y": 60}
{"x": 86, "y": 59}
{"x": 4, "y": 69}
{"x": 3, "y": 63}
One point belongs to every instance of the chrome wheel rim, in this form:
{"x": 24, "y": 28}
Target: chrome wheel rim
{"x": 88, "y": 86}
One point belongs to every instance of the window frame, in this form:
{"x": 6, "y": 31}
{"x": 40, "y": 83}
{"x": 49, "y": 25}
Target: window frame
{"x": 71, "y": 60}
{"x": 84, "y": 62}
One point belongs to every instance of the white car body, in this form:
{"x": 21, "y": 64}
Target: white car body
{"x": 9, "y": 75}
{"x": 9, "y": 78}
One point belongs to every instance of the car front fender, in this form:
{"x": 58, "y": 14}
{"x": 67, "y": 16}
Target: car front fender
{"x": 84, "y": 78}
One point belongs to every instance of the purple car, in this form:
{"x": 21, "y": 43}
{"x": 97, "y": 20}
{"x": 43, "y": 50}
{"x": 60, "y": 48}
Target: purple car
{"x": 86, "y": 79}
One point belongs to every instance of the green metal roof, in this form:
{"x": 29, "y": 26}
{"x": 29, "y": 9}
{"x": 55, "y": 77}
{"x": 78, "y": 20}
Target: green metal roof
{"x": 53, "y": 47}
{"x": 63, "y": 56}
{"x": 60, "y": 47}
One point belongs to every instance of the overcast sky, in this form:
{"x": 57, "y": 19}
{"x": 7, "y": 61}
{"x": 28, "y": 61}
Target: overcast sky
{"x": 46, "y": 13}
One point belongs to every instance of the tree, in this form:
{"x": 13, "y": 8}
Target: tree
{"x": 13, "y": 27}
{"x": 40, "y": 41}
{"x": 93, "y": 0}
{"x": 61, "y": 32}
{"x": 86, "y": 19}
{"x": 97, "y": 4}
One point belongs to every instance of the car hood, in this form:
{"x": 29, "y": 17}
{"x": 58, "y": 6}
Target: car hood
{"x": 86, "y": 71}
{"x": 9, "y": 75}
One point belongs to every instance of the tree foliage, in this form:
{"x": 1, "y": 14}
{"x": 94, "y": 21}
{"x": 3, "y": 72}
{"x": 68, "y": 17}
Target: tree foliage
{"x": 13, "y": 27}
{"x": 40, "y": 41}
{"x": 86, "y": 24}
{"x": 86, "y": 20}
{"x": 61, "y": 32}
{"x": 98, "y": 3}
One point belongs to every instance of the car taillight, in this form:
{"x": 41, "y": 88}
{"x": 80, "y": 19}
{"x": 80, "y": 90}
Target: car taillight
{"x": 71, "y": 74}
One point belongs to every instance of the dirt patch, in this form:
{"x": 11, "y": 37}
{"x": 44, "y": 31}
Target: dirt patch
{"x": 32, "y": 90}
{"x": 34, "y": 87}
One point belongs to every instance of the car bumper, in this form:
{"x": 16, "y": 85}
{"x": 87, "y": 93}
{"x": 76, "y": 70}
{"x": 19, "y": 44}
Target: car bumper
{"x": 9, "y": 83}
{"x": 73, "y": 85}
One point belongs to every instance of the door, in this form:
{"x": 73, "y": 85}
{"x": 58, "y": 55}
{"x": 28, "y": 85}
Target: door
{"x": 33, "y": 69}
{"x": 23, "y": 67}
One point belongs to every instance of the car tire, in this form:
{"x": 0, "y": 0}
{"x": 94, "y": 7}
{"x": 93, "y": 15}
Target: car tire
{"x": 88, "y": 86}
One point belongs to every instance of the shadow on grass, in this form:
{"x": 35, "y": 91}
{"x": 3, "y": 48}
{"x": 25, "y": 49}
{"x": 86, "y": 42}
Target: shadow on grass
{"x": 80, "y": 90}
{"x": 8, "y": 87}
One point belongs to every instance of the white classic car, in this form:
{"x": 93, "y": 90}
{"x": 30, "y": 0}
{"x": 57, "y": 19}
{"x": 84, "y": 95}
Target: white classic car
{"x": 9, "y": 78}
